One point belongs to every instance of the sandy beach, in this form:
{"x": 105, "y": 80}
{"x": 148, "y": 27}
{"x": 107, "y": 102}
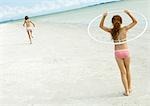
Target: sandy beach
{"x": 65, "y": 67}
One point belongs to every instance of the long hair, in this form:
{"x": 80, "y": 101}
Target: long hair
{"x": 116, "y": 21}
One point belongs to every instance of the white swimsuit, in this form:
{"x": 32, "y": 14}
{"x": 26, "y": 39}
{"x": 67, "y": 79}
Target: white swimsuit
{"x": 29, "y": 28}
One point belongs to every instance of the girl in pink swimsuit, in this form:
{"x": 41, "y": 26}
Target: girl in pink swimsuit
{"x": 122, "y": 56}
{"x": 28, "y": 24}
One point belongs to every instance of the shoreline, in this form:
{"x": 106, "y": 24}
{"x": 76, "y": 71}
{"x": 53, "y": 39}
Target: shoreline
{"x": 59, "y": 12}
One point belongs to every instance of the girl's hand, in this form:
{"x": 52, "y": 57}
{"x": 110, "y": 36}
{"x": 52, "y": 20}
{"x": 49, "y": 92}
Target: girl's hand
{"x": 126, "y": 11}
{"x": 105, "y": 14}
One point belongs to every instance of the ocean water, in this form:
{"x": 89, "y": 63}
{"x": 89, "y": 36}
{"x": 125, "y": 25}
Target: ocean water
{"x": 17, "y": 9}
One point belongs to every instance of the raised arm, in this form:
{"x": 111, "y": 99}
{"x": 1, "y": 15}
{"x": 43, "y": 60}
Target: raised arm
{"x": 101, "y": 25}
{"x": 134, "y": 21}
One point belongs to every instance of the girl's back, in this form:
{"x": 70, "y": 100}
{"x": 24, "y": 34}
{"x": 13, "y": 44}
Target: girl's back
{"x": 121, "y": 38}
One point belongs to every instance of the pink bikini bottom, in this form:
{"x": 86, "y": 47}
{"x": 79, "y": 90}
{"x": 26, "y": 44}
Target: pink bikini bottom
{"x": 123, "y": 53}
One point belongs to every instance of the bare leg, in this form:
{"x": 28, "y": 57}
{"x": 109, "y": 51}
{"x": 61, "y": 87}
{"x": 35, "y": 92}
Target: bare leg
{"x": 29, "y": 37}
{"x": 123, "y": 75}
{"x": 31, "y": 33}
{"x": 127, "y": 66}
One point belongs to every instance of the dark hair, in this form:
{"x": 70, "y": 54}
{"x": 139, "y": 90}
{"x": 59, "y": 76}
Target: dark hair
{"x": 116, "y": 21}
{"x": 26, "y": 18}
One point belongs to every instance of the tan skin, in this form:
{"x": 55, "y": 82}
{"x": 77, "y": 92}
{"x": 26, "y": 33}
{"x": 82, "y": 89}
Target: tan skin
{"x": 29, "y": 23}
{"x": 123, "y": 64}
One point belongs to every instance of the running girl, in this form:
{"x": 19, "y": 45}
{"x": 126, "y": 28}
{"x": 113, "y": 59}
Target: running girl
{"x": 28, "y": 25}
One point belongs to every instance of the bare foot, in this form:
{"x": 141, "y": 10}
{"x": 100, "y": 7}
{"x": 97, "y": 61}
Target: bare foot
{"x": 30, "y": 41}
{"x": 130, "y": 90}
{"x": 126, "y": 93}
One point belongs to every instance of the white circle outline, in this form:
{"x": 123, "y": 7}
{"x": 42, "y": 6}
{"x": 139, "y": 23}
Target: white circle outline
{"x": 145, "y": 28}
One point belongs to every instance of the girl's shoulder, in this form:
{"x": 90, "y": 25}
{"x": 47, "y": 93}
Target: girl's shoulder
{"x": 123, "y": 28}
